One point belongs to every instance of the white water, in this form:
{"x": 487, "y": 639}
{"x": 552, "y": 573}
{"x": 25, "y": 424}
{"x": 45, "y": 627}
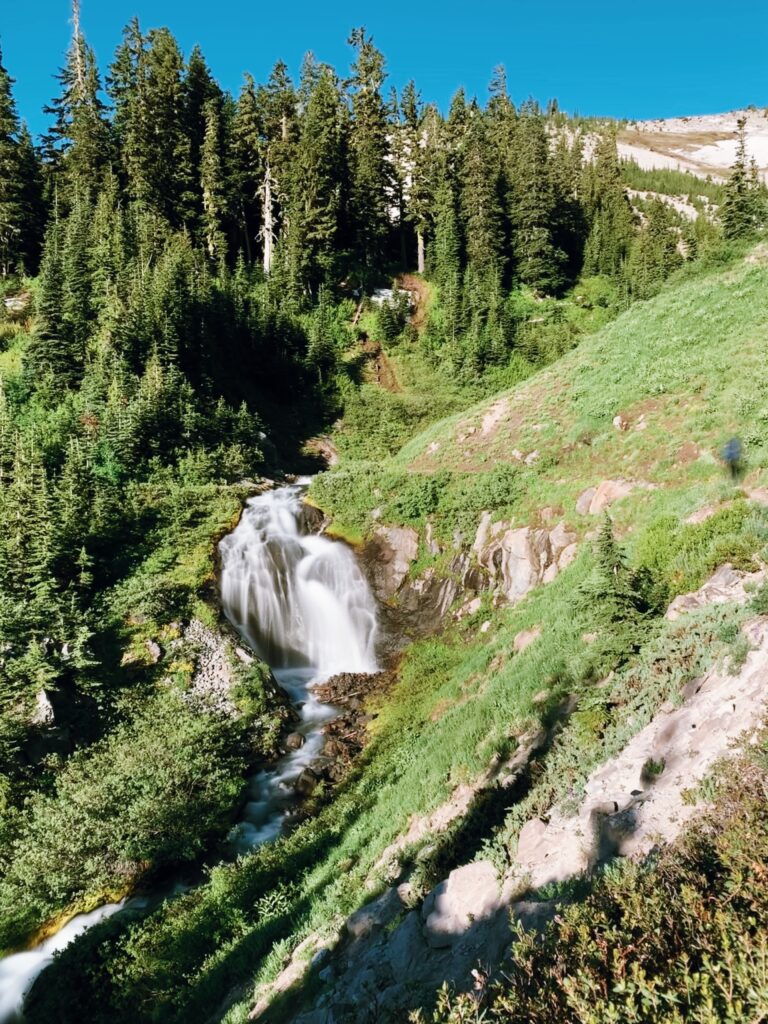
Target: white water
{"x": 304, "y": 606}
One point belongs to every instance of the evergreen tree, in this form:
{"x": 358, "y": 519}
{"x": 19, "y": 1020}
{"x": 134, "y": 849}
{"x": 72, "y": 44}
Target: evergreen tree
{"x": 370, "y": 171}
{"x": 11, "y": 179}
{"x": 317, "y": 184}
{"x": 608, "y": 212}
{"x": 212, "y": 184}
{"x": 480, "y": 203}
{"x": 78, "y": 144}
{"x": 538, "y": 261}
{"x": 744, "y": 205}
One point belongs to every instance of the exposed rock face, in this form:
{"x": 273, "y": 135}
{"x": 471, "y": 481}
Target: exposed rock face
{"x": 727, "y": 584}
{"x": 388, "y": 557}
{"x": 595, "y": 500}
{"x": 518, "y": 560}
{"x": 467, "y": 895}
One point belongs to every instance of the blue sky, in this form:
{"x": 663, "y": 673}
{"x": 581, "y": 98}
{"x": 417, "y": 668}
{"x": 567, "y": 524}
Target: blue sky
{"x": 648, "y": 59}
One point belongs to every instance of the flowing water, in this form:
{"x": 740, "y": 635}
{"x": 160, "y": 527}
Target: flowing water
{"x": 302, "y": 603}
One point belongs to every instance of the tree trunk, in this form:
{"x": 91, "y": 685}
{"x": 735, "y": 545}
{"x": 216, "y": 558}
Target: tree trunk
{"x": 420, "y": 251}
{"x": 268, "y": 224}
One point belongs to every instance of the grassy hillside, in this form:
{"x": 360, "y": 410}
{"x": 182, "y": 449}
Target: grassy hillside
{"x": 691, "y": 364}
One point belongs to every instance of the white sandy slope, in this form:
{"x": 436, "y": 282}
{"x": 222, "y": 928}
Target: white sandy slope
{"x": 704, "y": 145}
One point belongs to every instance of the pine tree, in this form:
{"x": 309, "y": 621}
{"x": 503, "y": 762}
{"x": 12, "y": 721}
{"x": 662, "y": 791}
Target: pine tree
{"x": 11, "y": 180}
{"x": 370, "y": 171}
{"x": 744, "y": 206}
{"x": 532, "y": 203}
{"x": 479, "y": 201}
{"x": 317, "y": 184}
{"x": 446, "y": 258}
{"x": 147, "y": 88}
{"x": 78, "y": 144}
{"x": 608, "y": 212}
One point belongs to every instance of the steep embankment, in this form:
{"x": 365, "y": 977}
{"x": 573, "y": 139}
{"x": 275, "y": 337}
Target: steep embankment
{"x": 553, "y": 658}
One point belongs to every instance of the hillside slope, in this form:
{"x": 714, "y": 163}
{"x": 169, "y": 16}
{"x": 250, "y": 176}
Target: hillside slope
{"x": 704, "y": 145}
{"x": 502, "y": 715}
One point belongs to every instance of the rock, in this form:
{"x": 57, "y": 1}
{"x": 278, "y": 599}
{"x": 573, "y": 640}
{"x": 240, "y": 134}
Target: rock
{"x": 306, "y": 783}
{"x": 153, "y": 649}
{"x": 596, "y": 499}
{"x": 375, "y": 915}
{"x": 468, "y": 894}
{"x": 16, "y": 304}
{"x": 406, "y": 945}
{"x": 468, "y": 608}
{"x": 727, "y": 584}
{"x": 433, "y": 547}
{"x": 525, "y": 638}
{"x": 243, "y": 656}
{"x": 584, "y": 501}
{"x": 294, "y": 741}
{"x": 485, "y": 626}
{"x": 388, "y": 557}
{"x": 531, "y": 458}
{"x": 43, "y": 716}
{"x": 525, "y": 557}
{"x": 483, "y": 534}
{"x": 620, "y": 423}
{"x": 533, "y": 915}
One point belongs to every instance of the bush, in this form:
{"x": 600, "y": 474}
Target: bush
{"x": 153, "y": 793}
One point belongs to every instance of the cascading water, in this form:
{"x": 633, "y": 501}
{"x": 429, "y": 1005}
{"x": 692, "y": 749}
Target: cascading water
{"x": 302, "y": 603}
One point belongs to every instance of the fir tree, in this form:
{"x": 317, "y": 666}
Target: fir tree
{"x": 744, "y": 205}
{"x": 608, "y": 213}
{"x": 11, "y": 179}
{"x": 78, "y": 144}
{"x": 538, "y": 261}
{"x": 370, "y": 173}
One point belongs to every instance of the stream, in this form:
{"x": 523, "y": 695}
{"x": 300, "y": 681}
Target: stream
{"x": 302, "y": 604}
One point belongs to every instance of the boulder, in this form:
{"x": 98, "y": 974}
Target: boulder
{"x": 620, "y": 422}
{"x": 294, "y": 741}
{"x": 153, "y": 650}
{"x": 375, "y": 915}
{"x": 306, "y": 783}
{"x": 521, "y": 559}
{"x": 584, "y": 501}
{"x": 468, "y": 894}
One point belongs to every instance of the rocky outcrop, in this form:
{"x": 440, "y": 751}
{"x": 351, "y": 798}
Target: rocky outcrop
{"x": 595, "y": 500}
{"x": 388, "y": 556}
{"x": 468, "y": 894}
{"x": 727, "y": 584}
{"x": 518, "y": 560}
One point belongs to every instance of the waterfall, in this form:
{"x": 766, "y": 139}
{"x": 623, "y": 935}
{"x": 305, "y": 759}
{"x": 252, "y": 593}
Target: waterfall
{"x": 298, "y": 599}
{"x": 303, "y": 605}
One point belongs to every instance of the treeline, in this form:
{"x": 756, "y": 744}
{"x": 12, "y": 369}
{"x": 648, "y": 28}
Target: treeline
{"x": 332, "y": 181}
